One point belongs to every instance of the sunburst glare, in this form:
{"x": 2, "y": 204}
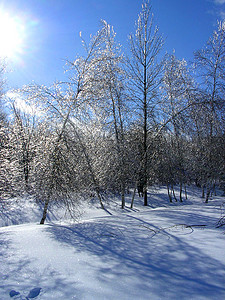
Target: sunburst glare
{"x": 12, "y": 36}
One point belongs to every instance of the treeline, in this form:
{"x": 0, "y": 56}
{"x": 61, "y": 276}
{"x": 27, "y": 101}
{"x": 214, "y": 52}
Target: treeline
{"x": 120, "y": 120}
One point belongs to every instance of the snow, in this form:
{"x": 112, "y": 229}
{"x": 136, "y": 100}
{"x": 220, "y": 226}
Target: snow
{"x": 164, "y": 251}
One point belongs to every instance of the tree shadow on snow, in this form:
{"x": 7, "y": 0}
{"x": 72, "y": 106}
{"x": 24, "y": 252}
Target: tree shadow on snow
{"x": 140, "y": 256}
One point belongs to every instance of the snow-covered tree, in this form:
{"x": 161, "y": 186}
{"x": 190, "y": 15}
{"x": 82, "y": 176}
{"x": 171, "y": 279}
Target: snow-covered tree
{"x": 68, "y": 106}
{"x": 144, "y": 71}
{"x": 210, "y": 64}
{"x": 4, "y": 180}
{"x": 106, "y": 99}
{"x": 178, "y": 93}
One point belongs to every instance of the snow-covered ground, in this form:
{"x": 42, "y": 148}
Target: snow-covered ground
{"x": 163, "y": 251}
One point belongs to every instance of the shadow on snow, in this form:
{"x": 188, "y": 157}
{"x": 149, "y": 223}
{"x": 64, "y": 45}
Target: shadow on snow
{"x": 139, "y": 255}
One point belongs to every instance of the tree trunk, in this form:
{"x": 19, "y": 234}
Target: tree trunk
{"x": 123, "y": 195}
{"x": 207, "y": 195}
{"x": 185, "y": 190}
{"x": 213, "y": 190}
{"x": 119, "y": 141}
{"x": 208, "y": 190}
{"x": 181, "y": 191}
{"x": 132, "y": 201}
{"x": 145, "y": 129}
{"x": 169, "y": 195}
{"x": 203, "y": 191}
{"x": 99, "y": 198}
{"x": 174, "y": 193}
{"x": 45, "y": 210}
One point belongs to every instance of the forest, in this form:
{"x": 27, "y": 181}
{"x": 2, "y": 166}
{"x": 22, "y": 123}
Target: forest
{"x": 121, "y": 122}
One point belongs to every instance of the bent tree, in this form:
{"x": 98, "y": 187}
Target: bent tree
{"x": 66, "y": 108}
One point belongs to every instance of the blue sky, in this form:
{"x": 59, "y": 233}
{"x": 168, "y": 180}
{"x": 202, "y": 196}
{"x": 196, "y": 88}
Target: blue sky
{"x": 51, "y": 30}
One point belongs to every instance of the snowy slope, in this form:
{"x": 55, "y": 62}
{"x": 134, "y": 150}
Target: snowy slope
{"x": 144, "y": 253}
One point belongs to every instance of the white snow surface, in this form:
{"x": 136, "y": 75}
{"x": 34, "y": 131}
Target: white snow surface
{"x": 163, "y": 251}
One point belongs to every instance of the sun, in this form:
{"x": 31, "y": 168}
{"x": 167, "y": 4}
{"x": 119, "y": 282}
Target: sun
{"x": 12, "y": 35}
